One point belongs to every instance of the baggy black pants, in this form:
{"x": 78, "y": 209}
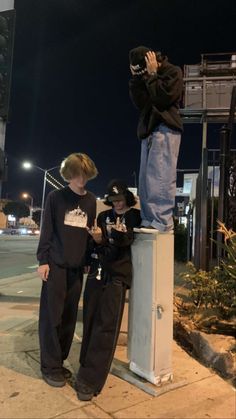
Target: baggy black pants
{"x": 103, "y": 308}
{"x": 57, "y": 316}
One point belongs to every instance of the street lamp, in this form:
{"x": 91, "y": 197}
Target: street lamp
{"x": 26, "y": 195}
{"x": 28, "y": 165}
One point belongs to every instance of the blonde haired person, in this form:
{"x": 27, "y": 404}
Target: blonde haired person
{"x": 69, "y": 212}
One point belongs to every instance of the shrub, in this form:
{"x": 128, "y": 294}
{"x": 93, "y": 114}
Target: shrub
{"x": 216, "y": 288}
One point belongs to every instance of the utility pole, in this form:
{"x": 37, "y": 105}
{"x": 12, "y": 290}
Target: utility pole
{"x": 7, "y": 26}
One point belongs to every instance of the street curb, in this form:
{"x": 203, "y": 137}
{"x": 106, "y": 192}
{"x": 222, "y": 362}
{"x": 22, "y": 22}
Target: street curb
{"x": 17, "y": 237}
{"x": 198, "y": 342}
{"x": 18, "y": 278}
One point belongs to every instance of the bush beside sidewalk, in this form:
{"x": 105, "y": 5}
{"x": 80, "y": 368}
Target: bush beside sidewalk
{"x": 215, "y": 350}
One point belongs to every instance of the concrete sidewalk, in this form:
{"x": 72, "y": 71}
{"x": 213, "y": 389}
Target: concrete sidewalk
{"x": 199, "y": 392}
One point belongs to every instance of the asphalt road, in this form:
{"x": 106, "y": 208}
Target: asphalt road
{"x": 17, "y": 255}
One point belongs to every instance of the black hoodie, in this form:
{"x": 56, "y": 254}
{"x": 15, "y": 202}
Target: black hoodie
{"x": 157, "y": 97}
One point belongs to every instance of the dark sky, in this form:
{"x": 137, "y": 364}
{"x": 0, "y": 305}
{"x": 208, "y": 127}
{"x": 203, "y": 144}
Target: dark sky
{"x": 70, "y": 80}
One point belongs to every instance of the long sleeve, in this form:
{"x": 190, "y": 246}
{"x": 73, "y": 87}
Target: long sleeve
{"x": 138, "y": 92}
{"x": 165, "y": 89}
{"x": 107, "y": 252}
{"x": 122, "y": 239}
{"x": 46, "y": 233}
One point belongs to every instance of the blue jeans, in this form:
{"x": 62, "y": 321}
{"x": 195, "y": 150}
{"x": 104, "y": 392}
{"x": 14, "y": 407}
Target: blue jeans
{"x": 157, "y": 177}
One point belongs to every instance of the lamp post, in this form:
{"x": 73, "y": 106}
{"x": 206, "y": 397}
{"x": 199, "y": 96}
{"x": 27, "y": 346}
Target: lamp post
{"x": 26, "y": 195}
{"x": 27, "y": 165}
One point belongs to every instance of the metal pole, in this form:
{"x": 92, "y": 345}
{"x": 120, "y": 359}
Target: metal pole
{"x": 203, "y": 242}
{"x": 223, "y": 186}
{"x": 204, "y": 135}
{"x": 43, "y": 198}
{"x": 2, "y": 143}
{"x": 203, "y": 260}
{"x": 5, "y": 5}
{"x": 212, "y": 207}
{"x": 45, "y": 171}
{"x": 189, "y": 235}
{"x": 31, "y": 206}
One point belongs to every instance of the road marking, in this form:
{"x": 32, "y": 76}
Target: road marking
{"x": 32, "y": 267}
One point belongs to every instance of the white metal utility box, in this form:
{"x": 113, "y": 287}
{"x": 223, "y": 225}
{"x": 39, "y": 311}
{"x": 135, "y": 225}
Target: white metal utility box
{"x": 150, "y": 329}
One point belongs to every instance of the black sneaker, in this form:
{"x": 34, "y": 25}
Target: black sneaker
{"x": 84, "y": 392}
{"x": 67, "y": 373}
{"x": 54, "y": 380}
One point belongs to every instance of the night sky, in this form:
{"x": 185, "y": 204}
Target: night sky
{"x": 70, "y": 77}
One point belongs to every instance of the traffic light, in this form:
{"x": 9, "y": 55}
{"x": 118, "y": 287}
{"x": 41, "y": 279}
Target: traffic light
{"x": 7, "y": 27}
{"x": 3, "y": 166}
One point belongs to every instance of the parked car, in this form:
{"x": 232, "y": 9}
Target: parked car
{"x": 22, "y": 231}
{"x": 11, "y": 231}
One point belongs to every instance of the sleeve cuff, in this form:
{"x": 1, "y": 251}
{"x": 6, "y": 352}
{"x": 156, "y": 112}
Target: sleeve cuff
{"x": 43, "y": 262}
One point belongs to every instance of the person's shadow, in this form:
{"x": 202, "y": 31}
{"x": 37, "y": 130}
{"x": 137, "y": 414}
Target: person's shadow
{"x": 19, "y": 346}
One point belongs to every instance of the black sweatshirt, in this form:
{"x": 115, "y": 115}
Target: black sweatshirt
{"x": 64, "y": 235}
{"x": 157, "y": 97}
{"x": 115, "y": 251}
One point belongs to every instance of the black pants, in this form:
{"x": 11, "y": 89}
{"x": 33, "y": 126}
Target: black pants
{"x": 58, "y": 314}
{"x": 103, "y": 308}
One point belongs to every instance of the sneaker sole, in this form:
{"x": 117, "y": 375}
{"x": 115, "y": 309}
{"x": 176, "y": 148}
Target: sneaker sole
{"x": 84, "y": 397}
{"x": 53, "y": 383}
{"x": 151, "y": 231}
{"x": 146, "y": 230}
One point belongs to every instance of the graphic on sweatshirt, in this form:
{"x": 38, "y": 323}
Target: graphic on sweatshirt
{"x": 76, "y": 218}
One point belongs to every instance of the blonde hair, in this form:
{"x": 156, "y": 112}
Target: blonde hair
{"x": 77, "y": 164}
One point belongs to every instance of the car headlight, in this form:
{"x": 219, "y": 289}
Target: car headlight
{"x": 23, "y": 231}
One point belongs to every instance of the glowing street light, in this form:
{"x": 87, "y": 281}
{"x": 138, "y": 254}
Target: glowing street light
{"x": 28, "y": 165}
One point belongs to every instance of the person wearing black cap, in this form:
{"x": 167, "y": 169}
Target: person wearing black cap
{"x": 109, "y": 277}
{"x": 156, "y": 89}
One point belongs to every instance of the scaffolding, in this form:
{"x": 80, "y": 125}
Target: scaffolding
{"x": 209, "y": 88}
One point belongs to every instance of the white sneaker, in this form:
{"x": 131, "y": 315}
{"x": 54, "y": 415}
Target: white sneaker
{"x": 150, "y": 230}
